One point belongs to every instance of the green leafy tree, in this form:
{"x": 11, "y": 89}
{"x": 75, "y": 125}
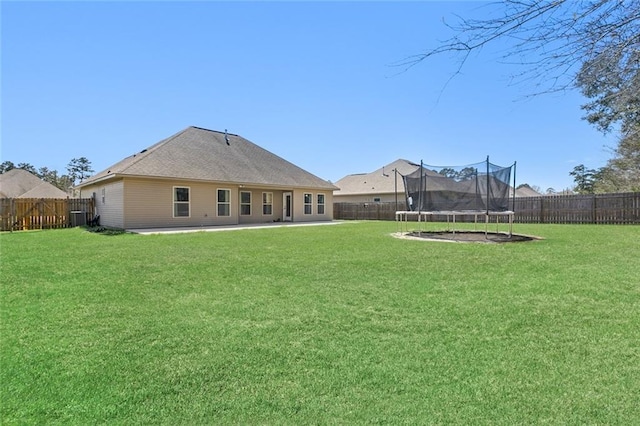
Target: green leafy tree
{"x": 6, "y": 166}
{"x": 584, "y": 178}
{"x": 622, "y": 172}
{"x": 47, "y": 175}
{"x": 28, "y": 167}
{"x": 79, "y": 169}
{"x": 448, "y": 172}
{"x": 64, "y": 182}
{"x": 467, "y": 173}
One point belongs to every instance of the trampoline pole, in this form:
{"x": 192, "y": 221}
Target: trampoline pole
{"x": 420, "y": 193}
{"x": 395, "y": 185}
{"x": 454, "y": 224}
{"x": 487, "y": 185}
{"x": 486, "y": 225}
{"x": 513, "y": 205}
{"x": 510, "y": 225}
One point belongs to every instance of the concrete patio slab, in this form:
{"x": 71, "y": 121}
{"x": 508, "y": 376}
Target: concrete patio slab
{"x": 184, "y": 230}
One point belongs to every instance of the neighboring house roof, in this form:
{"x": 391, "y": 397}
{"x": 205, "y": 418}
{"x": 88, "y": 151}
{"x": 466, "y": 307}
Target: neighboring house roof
{"x": 201, "y": 154}
{"x": 381, "y": 181}
{"x": 19, "y": 183}
{"x": 527, "y": 191}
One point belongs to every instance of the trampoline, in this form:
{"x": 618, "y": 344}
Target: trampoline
{"x": 480, "y": 190}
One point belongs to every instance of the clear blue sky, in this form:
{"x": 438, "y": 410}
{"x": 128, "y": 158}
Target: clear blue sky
{"x": 312, "y": 82}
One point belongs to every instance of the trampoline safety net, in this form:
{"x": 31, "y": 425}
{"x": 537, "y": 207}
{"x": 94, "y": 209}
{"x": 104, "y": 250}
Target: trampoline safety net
{"x": 475, "y": 187}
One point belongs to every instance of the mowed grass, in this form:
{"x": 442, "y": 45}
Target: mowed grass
{"x": 338, "y": 324}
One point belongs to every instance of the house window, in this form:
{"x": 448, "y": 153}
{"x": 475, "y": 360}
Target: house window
{"x": 376, "y": 199}
{"x": 245, "y": 203}
{"x": 224, "y": 202}
{"x": 308, "y": 203}
{"x": 103, "y": 195}
{"x": 320, "y": 203}
{"x": 267, "y": 203}
{"x": 181, "y": 205}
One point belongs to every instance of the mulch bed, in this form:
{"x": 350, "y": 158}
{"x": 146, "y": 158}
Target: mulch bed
{"x": 470, "y": 236}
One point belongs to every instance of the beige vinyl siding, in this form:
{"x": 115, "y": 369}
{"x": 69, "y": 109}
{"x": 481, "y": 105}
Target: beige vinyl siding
{"x": 114, "y": 206}
{"x": 298, "y": 205}
{"x": 277, "y": 206}
{"x": 256, "y": 206}
{"x": 111, "y": 211}
{"x": 149, "y": 204}
{"x": 368, "y": 198}
{"x": 256, "y": 215}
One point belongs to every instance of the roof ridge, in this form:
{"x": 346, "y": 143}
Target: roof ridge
{"x": 198, "y": 153}
{"x": 215, "y": 131}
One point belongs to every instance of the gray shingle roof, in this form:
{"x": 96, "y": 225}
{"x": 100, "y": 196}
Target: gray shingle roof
{"x": 380, "y": 181}
{"x": 527, "y": 191}
{"x": 208, "y": 155}
{"x": 19, "y": 183}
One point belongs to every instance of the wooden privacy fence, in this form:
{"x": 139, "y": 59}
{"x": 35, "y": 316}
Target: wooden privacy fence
{"x": 622, "y": 208}
{"x": 17, "y": 214}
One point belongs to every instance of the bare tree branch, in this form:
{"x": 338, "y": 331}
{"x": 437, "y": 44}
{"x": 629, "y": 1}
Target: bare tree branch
{"x": 592, "y": 45}
{"x": 549, "y": 39}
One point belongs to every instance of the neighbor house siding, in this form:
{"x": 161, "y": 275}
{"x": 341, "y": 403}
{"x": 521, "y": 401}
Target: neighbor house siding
{"x": 367, "y": 198}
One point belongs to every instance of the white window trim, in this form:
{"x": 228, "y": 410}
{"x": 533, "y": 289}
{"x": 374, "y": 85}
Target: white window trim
{"x": 324, "y": 204}
{"x": 226, "y": 202}
{"x": 245, "y": 204}
{"x": 305, "y": 204}
{"x": 173, "y": 205}
{"x": 267, "y": 204}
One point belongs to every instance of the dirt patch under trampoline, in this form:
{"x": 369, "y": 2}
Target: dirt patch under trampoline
{"x": 467, "y": 236}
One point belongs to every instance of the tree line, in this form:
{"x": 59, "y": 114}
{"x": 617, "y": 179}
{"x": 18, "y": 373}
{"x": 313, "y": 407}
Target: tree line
{"x": 78, "y": 170}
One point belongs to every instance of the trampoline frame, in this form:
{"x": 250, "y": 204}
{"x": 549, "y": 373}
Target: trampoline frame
{"x": 403, "y": 215}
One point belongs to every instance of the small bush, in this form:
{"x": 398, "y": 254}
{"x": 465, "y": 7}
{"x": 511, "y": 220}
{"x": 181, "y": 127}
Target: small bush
{"x": 105, "y": 230}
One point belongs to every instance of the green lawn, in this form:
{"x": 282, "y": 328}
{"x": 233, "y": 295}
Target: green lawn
{"x": 335, "y": 324}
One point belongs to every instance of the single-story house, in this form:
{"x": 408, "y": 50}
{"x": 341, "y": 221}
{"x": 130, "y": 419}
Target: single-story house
{"x": 19, "y": 183}
{"x": 526, "y": 191}
{"x": 201, "y": 177}
{"x": 379, "y": 186}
